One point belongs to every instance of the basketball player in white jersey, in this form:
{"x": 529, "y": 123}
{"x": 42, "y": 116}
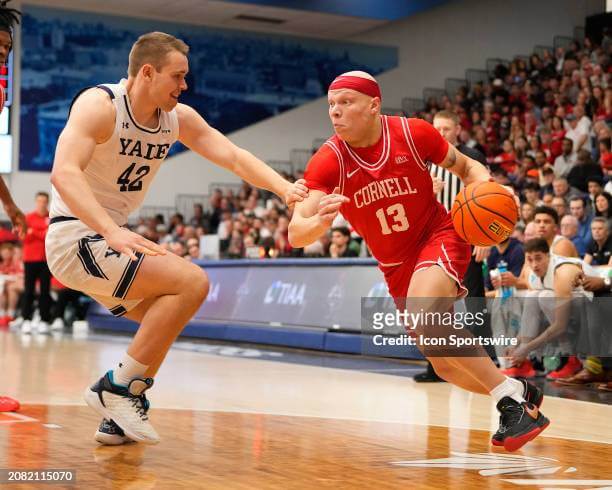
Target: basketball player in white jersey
{"x": 552, "y": 282}
{"x": 116, "y": 138}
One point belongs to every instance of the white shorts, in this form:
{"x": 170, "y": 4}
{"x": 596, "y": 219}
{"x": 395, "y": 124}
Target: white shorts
{"x": 81, "y": 259}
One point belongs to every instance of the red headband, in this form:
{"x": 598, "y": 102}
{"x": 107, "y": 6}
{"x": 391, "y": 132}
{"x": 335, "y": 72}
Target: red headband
{"x": 362, "y": 85}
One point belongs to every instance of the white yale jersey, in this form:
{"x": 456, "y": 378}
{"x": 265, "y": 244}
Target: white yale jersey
{"x": 122, "y": 168}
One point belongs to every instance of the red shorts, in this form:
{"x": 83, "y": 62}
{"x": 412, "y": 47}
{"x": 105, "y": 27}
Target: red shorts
{"x": 443, "y": 248}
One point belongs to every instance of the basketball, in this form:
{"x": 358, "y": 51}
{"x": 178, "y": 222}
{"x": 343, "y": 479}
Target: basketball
{"x": 484, "y": 213}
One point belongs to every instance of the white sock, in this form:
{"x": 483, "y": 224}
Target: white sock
{"x": 128, "y": 369}
{"x": 510, "y": 387}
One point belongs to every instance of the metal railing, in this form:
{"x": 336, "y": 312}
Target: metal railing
{"x": 493, "y": 63}
{"x": 412, "y": 105}
{"x": 435, "y": 93}
{"x": 539, "y": 50}
{"x": 474, "y": 76}
{"x": 452, "y": 85}
{"x": 299, "y": 158}
{"x": 562, "y": 41}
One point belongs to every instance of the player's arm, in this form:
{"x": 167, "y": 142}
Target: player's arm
{"x": 13, "y": 212}
{"x": 196, "y": 134}
{"x": 314, "y": 216}
{"x": 588, "y": 258}
{"x": 565, "y": 248}
{"x": 464, "y": 167}
{"x": 91, "y": 122}
{"x": 566, "y": 276}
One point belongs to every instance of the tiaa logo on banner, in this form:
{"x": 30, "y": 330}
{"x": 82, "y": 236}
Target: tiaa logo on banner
{"x": 285, "y": 293}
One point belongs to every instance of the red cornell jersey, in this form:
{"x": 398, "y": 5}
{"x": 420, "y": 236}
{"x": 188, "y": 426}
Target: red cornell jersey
{"x": 392, "y": 204}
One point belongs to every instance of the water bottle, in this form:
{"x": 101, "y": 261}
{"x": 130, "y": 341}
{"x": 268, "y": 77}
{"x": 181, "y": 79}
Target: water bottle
{"x": 506, "y": 291}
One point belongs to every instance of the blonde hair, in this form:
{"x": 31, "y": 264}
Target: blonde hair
{"x": 152, "y": 48}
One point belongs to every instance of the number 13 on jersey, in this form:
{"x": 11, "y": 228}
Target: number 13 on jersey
{"x": 392, "y": 219}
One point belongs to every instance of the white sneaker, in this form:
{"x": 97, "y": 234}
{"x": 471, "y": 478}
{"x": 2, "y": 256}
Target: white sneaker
{"x": 127, "y": 406}
{"x": 42, "y": 327}
{"x": 16, "y": 323}
{"x": 58, "y": 324}
{"x": 26, "y": 326}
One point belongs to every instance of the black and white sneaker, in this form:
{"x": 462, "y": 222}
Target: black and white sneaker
{"x": 110, "y": 434}
{"x": 520, "y": 423}
{"x": 532, "y": 394}
{"x": 127, "y": 406}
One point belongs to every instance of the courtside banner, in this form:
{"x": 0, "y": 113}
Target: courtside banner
{"x": 305, "y": 292}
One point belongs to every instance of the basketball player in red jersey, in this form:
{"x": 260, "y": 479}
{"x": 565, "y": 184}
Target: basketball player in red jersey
{"x": 375, "y": 171}
{"x": 7, "y": 18}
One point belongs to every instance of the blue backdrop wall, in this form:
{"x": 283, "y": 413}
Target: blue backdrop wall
{"x": 237, "y": 78}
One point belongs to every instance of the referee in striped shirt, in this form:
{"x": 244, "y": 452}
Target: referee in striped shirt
{"x": 446, "y": 187}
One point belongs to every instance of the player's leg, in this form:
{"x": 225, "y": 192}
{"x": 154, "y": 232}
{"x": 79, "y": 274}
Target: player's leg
{"x": 176, "y": 288}
{"x": 437, "y": 292}
{"x": 173, "y": 289}
{"x": 432, "y": 288}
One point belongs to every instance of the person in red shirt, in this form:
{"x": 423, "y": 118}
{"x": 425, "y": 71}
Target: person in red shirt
{"x": 375, "y": 170}
{"x": 35, "y": 265}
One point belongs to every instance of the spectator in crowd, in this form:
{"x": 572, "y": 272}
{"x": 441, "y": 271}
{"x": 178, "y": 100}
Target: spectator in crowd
{"x": 594, "y": 187}
{"x": 579, "y": 211}
{"x": 531, "y": 191}
{"x": 35, "y": 267}
{"x": 569, "y": 229}
{"x": 550, "y": 277}
{"x": 509, "y": 251}
{"x": 547, "y": 226}
{"x": 340, "y": 243}
{"x": 11, "y": 281}
{"x": 583, "y": 170}
{"x": 566, "y": 160}
{"x": 561, "y": 188}
{"x": 527, "y": 213}
{"x": 199, "y": 219}
{"x": 599, "y": 251}
{"x": 605, "y": 154}
{"x": 603, "y": 207}
{"x": 547, "y": 176}
{"x": 559, "y": 205}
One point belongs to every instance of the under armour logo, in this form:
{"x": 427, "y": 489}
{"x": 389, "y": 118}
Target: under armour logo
{"x": 401, "y": 159}
{"x": 125, "y": 125}
{"x": 110, "y": 251}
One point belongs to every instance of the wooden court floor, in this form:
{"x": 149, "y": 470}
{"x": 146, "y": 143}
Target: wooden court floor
{"x": 238, "y": 421}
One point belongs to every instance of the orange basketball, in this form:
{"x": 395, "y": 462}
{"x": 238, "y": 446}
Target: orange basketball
{"x": 484, "y": 213}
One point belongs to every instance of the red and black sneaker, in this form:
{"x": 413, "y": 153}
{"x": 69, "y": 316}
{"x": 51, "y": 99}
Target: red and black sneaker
{"x": 519, "y": 423}
{"x": 532, "y": 394}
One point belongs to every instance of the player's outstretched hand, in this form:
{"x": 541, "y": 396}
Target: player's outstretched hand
{"x": 17, "y": 219}
{"x": 127, "y": 242}
{"x": 329, "y": 206}
{"x": 296, "y": 192}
